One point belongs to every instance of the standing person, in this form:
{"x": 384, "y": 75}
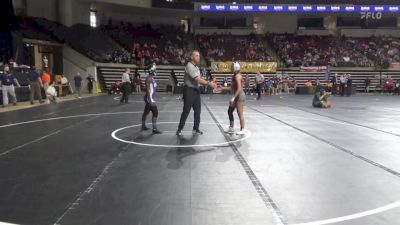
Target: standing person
{"x": 286, "y": 85}
{"x": 35, "y": 84}
{"x": 126, "y": 84}
{"x": 349, "y": 85}
{"x": 389, "y": 84}
{"x": 293, "y": 84}
{"x": 7, "y": 81}
{"x": 191, "y": 94}
{"x": 247, "y": 83}
{"x": 237, "y": 101}
{"x": 259, "y": 84}
{"x": 275, "y": 86}
{"x": 317, "y": 82}
{"x": 334, "y": 84}
{"x": 78, "y": 84}
{"x": 90, "y": 81}
{"x": 46, "y": 79}
{"x": 138, "y": 83}
{"x": 397, "y": 88}
{"x": 150, "y": 102}
{"x": 268, "y": 87}
{"x": 132, "y": 79}
{"x": 367, "y": 83}
{"x": 343, "y": 83}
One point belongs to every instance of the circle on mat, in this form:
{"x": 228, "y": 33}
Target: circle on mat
{"x": 114, "y": 135}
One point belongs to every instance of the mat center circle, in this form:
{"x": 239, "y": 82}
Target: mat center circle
{"x": 183, "y": 141}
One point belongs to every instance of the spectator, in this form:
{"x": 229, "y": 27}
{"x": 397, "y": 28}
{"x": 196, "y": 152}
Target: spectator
{"x": 35, "y": 85}
{"x": 317, "y": 82}
{"x": 367, "y": 83}
{"x": 138, "y": 83}
{"x": 397, "y": 88}
{"x": 213, "y": 83}
{"x": 334, "y": 81}
{"x": 343, "y": 84}
{"x": 46, "y": 79}
{"x": 78, "y": 85}
{"x": 7, "y": 81}
{"x": 308, "y": 84}
{"x": 328, "y": 87}
{"x": 388, "y": 85}
{"x": 293, "y": 83}
{"x": 65, "y": 82}
{"x": 259, "y": 84}
{"x": 90, "y": 81}
{"x": 349, "y": 85}
{"x": 275, "y": 86}
{"x": 132, "y": 80}
{"x": 269, "y": 87}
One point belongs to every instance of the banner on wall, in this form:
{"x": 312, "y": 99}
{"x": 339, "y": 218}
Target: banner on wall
{"x": 314, "y": 69}
{"x": 245, "y": 67}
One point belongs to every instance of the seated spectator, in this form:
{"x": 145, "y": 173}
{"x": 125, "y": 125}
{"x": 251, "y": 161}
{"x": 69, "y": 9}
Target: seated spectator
{"x": 308, "y": 84}
{"x": 232, "y": 47}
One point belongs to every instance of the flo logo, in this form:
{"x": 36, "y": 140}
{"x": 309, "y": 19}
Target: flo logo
{"x": 371, "y": 15}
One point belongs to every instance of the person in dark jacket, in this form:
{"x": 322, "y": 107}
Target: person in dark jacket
{"x": 349, "y": 85}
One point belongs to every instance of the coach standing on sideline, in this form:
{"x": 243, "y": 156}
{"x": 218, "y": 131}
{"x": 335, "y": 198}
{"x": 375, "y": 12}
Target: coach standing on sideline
{"x": 191, "y": 93}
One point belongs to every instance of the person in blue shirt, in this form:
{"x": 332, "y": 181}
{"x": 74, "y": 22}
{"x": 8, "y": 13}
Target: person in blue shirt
{"x": 268, "y": 87}
{"x": 78, "y": 85}
{"x": 7, "y": 81}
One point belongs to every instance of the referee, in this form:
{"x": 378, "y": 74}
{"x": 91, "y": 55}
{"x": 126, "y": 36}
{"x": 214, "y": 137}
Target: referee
{"x": 191, "y": 93}
{"x": 126, "y": 84}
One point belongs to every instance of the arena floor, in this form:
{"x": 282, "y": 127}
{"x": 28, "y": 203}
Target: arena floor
{"x": 60, "y": 164}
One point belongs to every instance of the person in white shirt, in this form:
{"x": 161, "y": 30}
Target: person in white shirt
{"x": 259, "y": 83}
{"x": 126, "y": 84}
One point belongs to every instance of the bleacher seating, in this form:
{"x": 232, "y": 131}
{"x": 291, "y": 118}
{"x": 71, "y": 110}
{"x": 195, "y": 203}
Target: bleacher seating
{"x": 358, "y": 78}
{"x": 32, "y": 28}
{"x": 165, "y": 46}
{"x": 179, "y": 76}
{"x": 381, "y": 50}
{"x": 91, "y": 42}
{"x": 298, "y": 51}
{"x": 110, "y": 75}
{"x": 233, "y": 47}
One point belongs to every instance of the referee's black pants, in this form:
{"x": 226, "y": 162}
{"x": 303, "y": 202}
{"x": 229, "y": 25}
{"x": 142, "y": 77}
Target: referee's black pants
{"x": 191, "y": 99}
